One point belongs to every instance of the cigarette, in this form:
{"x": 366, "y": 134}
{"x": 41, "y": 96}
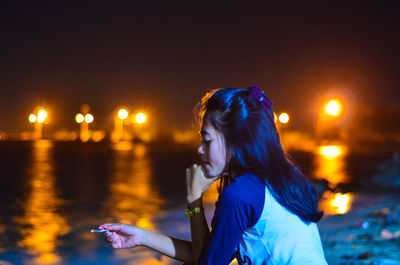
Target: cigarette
{"x": 98, "y": 230}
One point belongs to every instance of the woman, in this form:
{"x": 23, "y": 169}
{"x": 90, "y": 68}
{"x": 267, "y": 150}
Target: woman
{"x": 266, "y": 212}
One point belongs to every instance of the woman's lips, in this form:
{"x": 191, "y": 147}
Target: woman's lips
{"x": 204, "y": 163}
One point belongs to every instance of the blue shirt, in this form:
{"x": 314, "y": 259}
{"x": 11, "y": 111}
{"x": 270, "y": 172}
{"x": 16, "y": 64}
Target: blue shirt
{"x": 252, "y": 226}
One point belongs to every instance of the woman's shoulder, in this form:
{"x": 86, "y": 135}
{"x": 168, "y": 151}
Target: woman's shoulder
{"x": 245, "y": 195}
{"x": 243, "y": 188}
{"x": 246, "y": 181}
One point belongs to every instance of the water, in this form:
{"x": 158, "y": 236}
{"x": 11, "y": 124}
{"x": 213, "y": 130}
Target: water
{"x": 53, "y": 193}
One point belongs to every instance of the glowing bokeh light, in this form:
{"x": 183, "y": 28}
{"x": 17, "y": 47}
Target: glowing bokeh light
{"x": 89, "y": 118}
{"x": 32, "y": 118}
{"x": 141, "y": 118}
{"x": 341, "y": 201}
{"x": 330, "y": 151}
{"x": 123, "y": 114}
{"x": 79, "y": 118}
{"x": 335, "y": 203}
{"x": 284, "y": 118}
{"x": 42, "y": 115}
{"x": 333, "y": 107}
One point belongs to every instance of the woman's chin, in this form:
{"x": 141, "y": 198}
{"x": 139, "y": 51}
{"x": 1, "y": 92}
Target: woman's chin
{"x": 211, "y": 175}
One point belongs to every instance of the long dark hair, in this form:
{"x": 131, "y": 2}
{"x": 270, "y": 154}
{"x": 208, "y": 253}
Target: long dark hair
{"x": 253, "y": 146}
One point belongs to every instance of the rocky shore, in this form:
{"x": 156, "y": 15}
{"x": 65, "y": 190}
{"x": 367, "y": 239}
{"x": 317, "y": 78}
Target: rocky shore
{"x": 368, "y": 234}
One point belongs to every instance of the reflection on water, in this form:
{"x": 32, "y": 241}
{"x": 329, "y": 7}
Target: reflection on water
{"x": 125, "y": 183}
{"x": 133, "y": 197}
{"x": 341, "y": 202}
{"x": 335, "y": 203}
{"x": 330, "y": 165}
{"x": 41, "y": 224}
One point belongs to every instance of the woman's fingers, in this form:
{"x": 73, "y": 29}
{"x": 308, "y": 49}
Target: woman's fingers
{"x": 111, "y": 227}
{"x": 109, "y": 237}
{"x": 198, "y": 171}
{"x": 111, "y": 230}
{"x": 187, "y": 174}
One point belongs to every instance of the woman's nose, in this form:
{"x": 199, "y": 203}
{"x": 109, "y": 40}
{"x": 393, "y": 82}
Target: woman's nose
{"x": 200, "y": 150}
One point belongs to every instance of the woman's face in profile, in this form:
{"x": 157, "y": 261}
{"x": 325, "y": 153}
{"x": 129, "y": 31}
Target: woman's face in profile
{"x": 212, "y": 150}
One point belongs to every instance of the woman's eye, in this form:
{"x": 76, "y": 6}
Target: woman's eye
{"x": 207, "y": 142}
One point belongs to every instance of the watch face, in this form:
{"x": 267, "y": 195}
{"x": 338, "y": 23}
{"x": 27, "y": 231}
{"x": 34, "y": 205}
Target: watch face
{"x": 190, "y": 211}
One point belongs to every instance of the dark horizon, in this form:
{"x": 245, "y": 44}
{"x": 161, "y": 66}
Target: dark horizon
{"x": 164, "y": 57}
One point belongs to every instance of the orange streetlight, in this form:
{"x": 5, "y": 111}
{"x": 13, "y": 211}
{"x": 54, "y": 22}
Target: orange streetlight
{"x": 32, "y": 118}
{"x": 333, "y": 107}
{"x": 122, "y": 114}
{"x": 140, "y": 118}
{"x": 330, "y": 119}
{"x": 281, "y": 122}
{"x": 79, "y": 118}
{"x": 283, "y": 118}
{"x": 89, "y": 118}
{"x": 42, "y": 115}
{"x": 84, "y": 119}
{"x": 38, "y": 119}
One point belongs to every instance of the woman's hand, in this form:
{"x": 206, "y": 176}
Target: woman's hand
{"x": 122, "y": 235}
{"x": 197, "y": 182}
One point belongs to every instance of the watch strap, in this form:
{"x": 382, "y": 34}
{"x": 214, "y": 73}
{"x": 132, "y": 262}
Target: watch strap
{"x": 190, "y": 211}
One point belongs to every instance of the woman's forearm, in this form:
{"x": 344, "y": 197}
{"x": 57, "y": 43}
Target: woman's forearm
{"x": 199, "y": 229}
{"x": 174, "y": 248}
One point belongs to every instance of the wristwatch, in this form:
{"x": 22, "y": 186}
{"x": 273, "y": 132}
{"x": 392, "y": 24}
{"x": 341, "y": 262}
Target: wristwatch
{"x": 190, "y": 211}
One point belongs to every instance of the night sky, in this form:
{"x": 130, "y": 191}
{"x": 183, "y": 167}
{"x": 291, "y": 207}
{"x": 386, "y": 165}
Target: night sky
{"x": 164, "y": 55}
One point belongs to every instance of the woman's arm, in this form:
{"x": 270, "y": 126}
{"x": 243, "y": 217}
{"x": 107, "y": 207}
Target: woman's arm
{"x": 172, "y": 247}
{"x": 196, "y": 184}
{"x": 199, "y": 229}
{"x": 128, "y": 236}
